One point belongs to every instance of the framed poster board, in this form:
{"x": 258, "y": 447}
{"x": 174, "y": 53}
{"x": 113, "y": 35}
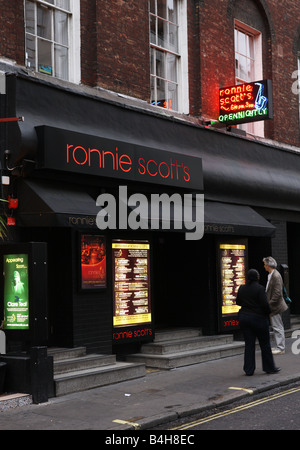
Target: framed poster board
{"x": 24, "y": 292}
{"x": 232, "y": 262}
{"x": 131, "y": 283}
{"x": 93, "y": 261}
{"x": 16, "y": 291}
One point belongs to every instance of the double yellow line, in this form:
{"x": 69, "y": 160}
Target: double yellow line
{"x": 235, "y": 410}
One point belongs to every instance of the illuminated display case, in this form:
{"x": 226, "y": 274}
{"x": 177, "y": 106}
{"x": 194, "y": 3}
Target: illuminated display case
{"x": 92, "y": 261}
{"x": 132, "y": 315}
{"x": 232, "y": 263}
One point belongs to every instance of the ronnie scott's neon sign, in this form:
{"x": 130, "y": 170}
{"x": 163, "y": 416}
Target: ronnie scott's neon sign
{"x": 247, "y": 102}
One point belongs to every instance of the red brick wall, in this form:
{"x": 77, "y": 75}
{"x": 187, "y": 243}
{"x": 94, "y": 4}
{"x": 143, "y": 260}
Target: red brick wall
{"x": 12, "y": 30}
{"x": 115, "y": 50}
{"x": 122, "y": 30}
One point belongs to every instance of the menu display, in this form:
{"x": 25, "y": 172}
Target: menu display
{"x": 131, "y": 283}
{"x": 232, "y": 275}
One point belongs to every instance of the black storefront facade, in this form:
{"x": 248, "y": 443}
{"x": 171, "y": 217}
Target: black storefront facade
{"x": 251, "y": 192}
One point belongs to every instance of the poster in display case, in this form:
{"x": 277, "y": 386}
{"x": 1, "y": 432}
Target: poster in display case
{"x": 16, "y": 292}
{"x": 93, "y": 261}
{"x": 131, "y": 283}
{"x": 232, "y": 265}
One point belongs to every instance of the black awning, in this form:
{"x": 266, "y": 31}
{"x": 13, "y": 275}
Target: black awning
{"x": 55, "y": 204}
{"x": 229, "y": 219}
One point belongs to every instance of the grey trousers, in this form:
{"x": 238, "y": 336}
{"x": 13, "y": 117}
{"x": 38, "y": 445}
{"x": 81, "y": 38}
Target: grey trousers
{"x": 278, "y": 328}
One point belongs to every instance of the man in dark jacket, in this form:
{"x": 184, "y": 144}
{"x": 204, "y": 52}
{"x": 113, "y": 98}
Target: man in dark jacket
{"x": 254, "y": 323}
{"x": 274, "y": 290}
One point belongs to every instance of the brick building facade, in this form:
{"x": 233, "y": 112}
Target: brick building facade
{"x": 148, "y": 74}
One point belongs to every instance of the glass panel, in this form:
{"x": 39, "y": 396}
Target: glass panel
{"x": 243, "y": 68}
{"x": 153, "y": 30}
{"x": 172, "y": 96}
{"x": 152, "y": 86}
{"x": 162, "y": 33}
{"x": 30, "y": 52}
{"x": 172, "y": 67}
{"x": 161, "y": 93}
{"x": 44, "y": 22}
{"x": 172, "y": 10}
{"x": 162, "y": 9}
{"x": 160, "y": 64}
{"x": 241, "y": 43}
{"x": 152, "y": 6}
{"x": 152, "y": 59}
{"x": 61, "y": 27}
{"x": 44, "y": 57}
{"x": 64, "y": 4}
{"x": 50, "y": 1}
{"x": 30, "y": 20}
{"x": 173, "y": 41}
{"x": 61, "y": 62}
{"x": 236, "y": 67}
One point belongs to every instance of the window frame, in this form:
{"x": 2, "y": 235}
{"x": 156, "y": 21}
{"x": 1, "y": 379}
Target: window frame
{"x": 255, "y": 128}
{"x": 181, "y": 57}
{"x": 73, "y": 46}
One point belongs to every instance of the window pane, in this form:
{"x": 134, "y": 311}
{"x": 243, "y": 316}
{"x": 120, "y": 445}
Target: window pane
{"x": 152, "y": 86}
{"x": 152, "y": 59}
{"x": 160, "y": 64}
{"x": 61, "y": 62}
{"x": 173, "y": 41}
{"x": 162, "y": 33}
{"x": 30, "y": 20}
{"x": 153, "y": 30}
{"x": 61, "y": 28}
{"x": 172, "y": 10}
{"x": 243, "y": 68}
{"x": 241, "y": 43}
{"x": 172, "y": 67}
{"x": 162, "y": 9}
{"x": 161, "y": 93}
{"x": 152, "y": 6}
{"x": 44, "y": 57}
{"x": 30, "y": 52}
{"x": 64, "y": 4}
{"x": 172, "y": 96}
{"x": 44, "y": 22}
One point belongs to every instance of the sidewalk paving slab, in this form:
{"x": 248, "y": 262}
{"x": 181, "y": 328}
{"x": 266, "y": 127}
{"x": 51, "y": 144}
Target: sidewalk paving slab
{"x": 160, "y": 397}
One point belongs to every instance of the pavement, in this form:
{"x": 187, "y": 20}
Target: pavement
{"x": 160, "y": 397}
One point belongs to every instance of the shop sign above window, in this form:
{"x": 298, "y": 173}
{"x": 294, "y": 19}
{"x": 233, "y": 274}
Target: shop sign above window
{"x": 243, "y": 103}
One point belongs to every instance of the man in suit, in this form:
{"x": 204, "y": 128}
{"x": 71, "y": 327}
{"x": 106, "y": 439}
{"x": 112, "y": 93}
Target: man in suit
{"x": 277, "y": 304}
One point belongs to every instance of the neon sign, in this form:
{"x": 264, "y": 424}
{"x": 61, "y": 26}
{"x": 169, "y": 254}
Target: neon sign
{"x": 249, "y": 102}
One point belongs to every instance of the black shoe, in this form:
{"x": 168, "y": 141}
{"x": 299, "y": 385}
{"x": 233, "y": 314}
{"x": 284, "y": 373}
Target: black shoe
{"x": 276, "y": 370}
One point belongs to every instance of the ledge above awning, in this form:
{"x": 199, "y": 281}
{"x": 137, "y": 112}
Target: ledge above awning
{"x": 229, "y": 219}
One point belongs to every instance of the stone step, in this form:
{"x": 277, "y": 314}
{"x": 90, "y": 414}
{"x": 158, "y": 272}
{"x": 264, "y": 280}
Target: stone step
{"x": 75, "y": 371}
{"x": 82, "y": 363}
{"x": 82, "y": 380}
{"x": 176, "y": 333}
{"x": 183, "y": 345}
{"x": 186, "y": 358}
{"x": 61, "y": 353}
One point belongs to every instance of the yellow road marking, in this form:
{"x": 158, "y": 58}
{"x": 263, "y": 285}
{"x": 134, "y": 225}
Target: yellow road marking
{"x": 241, "y": 389}
{"x": 124, "y": 422}
{"x": 235, "y": 410}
